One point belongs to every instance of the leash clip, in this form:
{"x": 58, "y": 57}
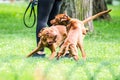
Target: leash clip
{"x": 31, "y": 4}
{"x": 34, "y": 3}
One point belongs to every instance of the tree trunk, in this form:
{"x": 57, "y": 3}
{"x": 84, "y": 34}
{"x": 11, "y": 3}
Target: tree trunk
{"x": 12, "y": 1}
{"x": 109, "y": 1}
{"x": 98, "y": 6}
{"x": 80, "y": 9}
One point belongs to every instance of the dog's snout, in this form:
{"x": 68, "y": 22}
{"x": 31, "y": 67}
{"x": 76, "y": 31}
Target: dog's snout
{"x": 50, "y": 43}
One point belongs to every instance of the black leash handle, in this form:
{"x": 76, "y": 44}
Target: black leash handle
{"x": 31, "y": 4}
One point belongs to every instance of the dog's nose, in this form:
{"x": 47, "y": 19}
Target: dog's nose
{"x": 50, "y": 43}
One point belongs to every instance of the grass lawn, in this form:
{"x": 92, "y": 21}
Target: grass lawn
{"x": 16, "y": 41}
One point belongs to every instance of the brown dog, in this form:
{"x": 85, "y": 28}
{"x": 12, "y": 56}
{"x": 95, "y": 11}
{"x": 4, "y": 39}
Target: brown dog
{"x": 74, "y": 39}
{"x": 76, "y": 30}
{"x": 51, "y": 37}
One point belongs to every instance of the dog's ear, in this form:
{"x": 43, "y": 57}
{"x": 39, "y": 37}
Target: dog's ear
{"x": 53, "y": 22}
{"x": 39, "y": 34}
{"x": 65, "y": 18}
{"x": 66, "y": 15}
{"x": 47, "y": 34}
{"x": 68, "y": 18}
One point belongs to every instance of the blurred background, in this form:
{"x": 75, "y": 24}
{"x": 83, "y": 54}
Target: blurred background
{"x": 112, "y": 2}
{"x": 102, "y": 45}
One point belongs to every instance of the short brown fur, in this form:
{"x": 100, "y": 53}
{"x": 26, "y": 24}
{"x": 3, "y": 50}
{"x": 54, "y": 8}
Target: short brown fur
{"x": 50, "y": 37}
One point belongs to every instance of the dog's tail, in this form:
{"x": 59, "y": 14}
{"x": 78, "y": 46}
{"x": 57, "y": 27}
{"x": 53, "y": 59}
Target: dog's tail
{"x": 95, "y": 16}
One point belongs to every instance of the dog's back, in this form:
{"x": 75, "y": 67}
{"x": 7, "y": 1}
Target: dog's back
{"x": 61, "y": 29}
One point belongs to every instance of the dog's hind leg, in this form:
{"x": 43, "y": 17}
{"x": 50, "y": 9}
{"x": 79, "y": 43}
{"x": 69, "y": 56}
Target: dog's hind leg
{"x": 66, "y": 48}
{"x": 80, "y": 45}
{"x": 74, "y": 51}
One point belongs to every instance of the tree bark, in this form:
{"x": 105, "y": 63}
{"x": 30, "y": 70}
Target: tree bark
{"x": 80, "y": 9}
{"x": 109, "y": 1}
{"x": 98, "y": 6}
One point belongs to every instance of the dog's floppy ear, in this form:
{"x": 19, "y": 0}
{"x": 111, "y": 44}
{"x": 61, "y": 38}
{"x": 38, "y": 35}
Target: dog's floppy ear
{"x": 47, "y": 34}
{"x": 65, "y": 18}
{"x": 39, "y": 34}
{"x": 68, "y": 18}
{"x": 66, "y": 15}
{"x": 53, "y": 22}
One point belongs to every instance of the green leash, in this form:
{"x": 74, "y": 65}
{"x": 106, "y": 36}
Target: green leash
{"x": 31, "y": 4}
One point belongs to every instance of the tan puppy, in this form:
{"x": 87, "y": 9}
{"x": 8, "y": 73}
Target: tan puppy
{"x": 76, "y": 31}
{"x": 51, "y": 37}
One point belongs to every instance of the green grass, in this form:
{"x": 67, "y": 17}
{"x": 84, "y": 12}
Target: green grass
{"x": 16, "y": 41}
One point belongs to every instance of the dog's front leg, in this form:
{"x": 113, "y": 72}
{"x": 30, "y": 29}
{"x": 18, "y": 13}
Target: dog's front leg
{"x": 53, "y": 51}
{"x": 59, "y": 55}
{"x": 63, "y": 50}
{"x": 35, "y": 50}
